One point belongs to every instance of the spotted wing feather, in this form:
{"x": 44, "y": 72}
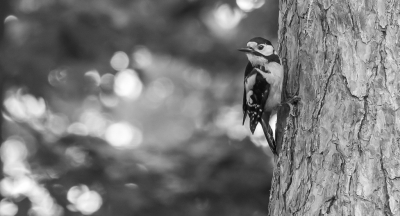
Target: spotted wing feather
{"x": 255, "y": 107}
{"x": 249, "y": 69}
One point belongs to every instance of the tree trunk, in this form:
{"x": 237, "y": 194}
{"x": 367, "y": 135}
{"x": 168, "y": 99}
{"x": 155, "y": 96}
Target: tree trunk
{"x": 341, "y": 153}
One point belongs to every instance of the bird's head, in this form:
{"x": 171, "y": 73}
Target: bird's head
{"x": 258, "y": 50}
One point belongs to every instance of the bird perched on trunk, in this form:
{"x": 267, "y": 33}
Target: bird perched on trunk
{"x": 263, "y": 80}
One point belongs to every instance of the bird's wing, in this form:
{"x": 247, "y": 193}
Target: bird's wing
{"x": 265, "y": 95}
{"x": 249, "y": 69}
{"x": 244, "y": 104}
{"x": 259, "y": 98}
{"x": 268, "y": 133}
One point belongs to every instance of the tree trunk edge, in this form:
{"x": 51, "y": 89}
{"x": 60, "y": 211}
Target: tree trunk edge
{"x": 341, "y": 154}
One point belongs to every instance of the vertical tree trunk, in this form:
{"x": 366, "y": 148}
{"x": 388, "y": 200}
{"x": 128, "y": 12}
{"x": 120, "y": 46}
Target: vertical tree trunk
{"x": 341, "y": 154}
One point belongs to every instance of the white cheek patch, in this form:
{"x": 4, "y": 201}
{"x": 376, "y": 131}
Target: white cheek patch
{"x": 268, "y": 50}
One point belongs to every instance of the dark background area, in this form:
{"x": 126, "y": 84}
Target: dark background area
{"x": 130, "y": 108}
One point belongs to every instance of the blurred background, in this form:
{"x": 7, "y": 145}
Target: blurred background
{"x": 130, "y": 107}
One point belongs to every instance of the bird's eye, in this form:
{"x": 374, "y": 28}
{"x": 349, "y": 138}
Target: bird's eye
{"x": 260, "y": 47}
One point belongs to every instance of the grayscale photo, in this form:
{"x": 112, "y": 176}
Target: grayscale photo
{"x": 199, "y": 108}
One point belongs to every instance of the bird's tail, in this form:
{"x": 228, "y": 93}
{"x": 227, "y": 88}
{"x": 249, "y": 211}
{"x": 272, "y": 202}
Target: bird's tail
{"x": 268, "y": 133}
{"x": 255, "y": 117}
{"x": 244, "y": 116}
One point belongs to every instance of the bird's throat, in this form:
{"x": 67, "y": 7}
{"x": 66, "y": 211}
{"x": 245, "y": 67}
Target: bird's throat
{"x": 257, "y": 61}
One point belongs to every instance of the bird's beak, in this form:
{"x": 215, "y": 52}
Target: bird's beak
{"x": 246, "y": 49}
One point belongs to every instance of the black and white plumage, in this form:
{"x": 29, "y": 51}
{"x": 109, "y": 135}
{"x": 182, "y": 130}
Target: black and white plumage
{"x": 262, "y": 86}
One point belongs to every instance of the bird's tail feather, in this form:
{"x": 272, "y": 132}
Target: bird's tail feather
{"x": 268, "y": 134}
{"x": 244, "y": 117}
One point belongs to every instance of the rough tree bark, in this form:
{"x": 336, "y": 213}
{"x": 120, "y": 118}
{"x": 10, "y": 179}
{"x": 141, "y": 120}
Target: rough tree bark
{"x": 341, "y": 153}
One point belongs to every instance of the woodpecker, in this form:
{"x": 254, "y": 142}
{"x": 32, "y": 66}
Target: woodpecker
{"x": 263, "y": 80}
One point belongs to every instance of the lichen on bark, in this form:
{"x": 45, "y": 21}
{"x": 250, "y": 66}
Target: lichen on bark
{"x": 341, "y": 154}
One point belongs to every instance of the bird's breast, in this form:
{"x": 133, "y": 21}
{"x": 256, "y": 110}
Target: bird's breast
{"x": 275, "y": 78}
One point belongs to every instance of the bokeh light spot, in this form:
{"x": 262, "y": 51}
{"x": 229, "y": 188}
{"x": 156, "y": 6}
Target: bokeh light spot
{"x": 10, "y": 18}
{"x": 17, "y": 186}
{"x": 142, "y": 57}
{"x": 14, "y": 107}
{"x": 57, "y": 123}
{"x": 34, "y": 107}
{"x": 131, "y": 185}
{"x": 127, "y": 84}
{"x": 159, "y": 89}
{"x": 107, "y": 81}
{"x": 249, "y": 5}
{"x": 84, "y": 200}
{"x": 119, "y": 61}
{"x": 24, "y": 107}
{"x": 227, "y": 17}
{"x": 94, "y": 77}
{"x": 229, "y": 116}
{"x": 178, "y": 130}
{"x": 78, "y": 128}
{"x": 75, "y": 191}
{"x": 94, "y": 121}
{"x": 108, "y": 100}
{"x": 30, "y": 5}
{"x": 8, "y": 208}
{"x": 13, "y": 150}
{"x": 198, "y": 78}
{"x": 89, "y": 202}
{"x": 123, "y": 134}
{"x": 92, "y": 103}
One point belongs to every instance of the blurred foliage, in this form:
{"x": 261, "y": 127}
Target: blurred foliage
{"x": 131, "y": 108}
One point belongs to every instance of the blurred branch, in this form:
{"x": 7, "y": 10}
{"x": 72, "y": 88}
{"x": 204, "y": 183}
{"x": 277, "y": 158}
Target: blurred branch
{"x": 23, "y": 125}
